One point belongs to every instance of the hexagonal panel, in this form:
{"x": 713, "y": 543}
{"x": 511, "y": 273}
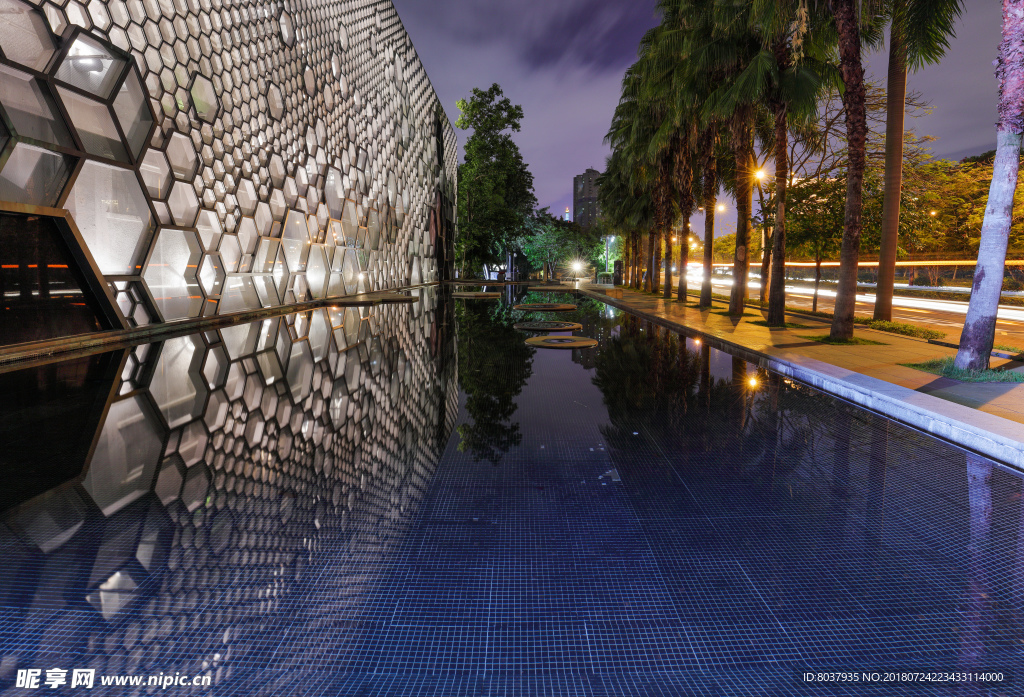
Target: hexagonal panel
{"x": 111, "y": 212}
{"x": 182, "y": 156}
{"x": 204, "y": 98}
{"x": 24, "y": 36}
{"x": 183, "y": 204}
{"x": 156, "y": 174}
{"x": 170, "y": 273}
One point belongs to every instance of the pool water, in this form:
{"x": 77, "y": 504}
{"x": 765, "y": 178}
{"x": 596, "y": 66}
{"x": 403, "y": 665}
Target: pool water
{"x": 409, "y": 500}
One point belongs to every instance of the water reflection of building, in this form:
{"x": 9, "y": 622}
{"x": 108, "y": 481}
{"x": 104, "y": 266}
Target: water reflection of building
{"x": 229, "y": 470}
{"x": 600, "y": 324}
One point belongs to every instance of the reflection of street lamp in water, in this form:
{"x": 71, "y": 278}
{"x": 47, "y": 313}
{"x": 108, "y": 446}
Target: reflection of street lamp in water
{"x": 577, "y": 267}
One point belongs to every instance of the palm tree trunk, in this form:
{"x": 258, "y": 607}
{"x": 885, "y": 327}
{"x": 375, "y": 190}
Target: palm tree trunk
{"x": 852, "y": 71}
{"x": 777, "y": 294}
{"x": 652, "y": 237}
{"x": 895, "y": 106}
{"x": 668, "y": 264}
{"x": 666, "y": 228}
{"x": 710, "y": 201}
{"x": 766, "y": 259}
{"x": 742, "y": 146}
{"x": 980, "y": 325}
{"x": 817, "y": 279}
{"x": 684, "y": 180}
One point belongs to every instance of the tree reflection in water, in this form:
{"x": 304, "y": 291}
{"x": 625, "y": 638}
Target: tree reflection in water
{"x": 494, "y": 364}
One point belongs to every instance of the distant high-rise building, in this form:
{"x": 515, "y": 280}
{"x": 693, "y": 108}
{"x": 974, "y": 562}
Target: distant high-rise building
{"x": 567, "y": 213}
{"x": 585, "y": 208}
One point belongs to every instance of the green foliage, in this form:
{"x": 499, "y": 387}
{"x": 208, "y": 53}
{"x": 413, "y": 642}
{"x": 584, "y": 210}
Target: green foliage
{"x": 560, "y": 242}
{"x": 495, "y": 186}
{"x": 904, "y": 329}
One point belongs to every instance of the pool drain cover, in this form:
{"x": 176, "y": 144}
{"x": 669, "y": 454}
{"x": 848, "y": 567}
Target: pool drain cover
{"x": 562, "y": 342}
{"x": 546, "y": 307}
{"x": 548, "y": 326}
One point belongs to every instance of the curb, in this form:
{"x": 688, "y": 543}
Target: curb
{"x": 986, "y": 434}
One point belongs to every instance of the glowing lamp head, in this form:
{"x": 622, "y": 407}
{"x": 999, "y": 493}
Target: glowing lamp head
{"x": 721, "y": 207}
{"x": 760, "y": 175}
{"x": 752, "y": 382}
{"x": 934, "y": 213}
{"x": 577, "y": 267}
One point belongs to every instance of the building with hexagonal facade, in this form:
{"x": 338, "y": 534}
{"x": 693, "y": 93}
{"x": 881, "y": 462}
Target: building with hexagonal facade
{"x": 168, "y": 160}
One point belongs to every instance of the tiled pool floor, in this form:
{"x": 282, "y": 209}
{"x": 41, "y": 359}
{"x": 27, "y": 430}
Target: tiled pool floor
{"x": 645, "y": 518}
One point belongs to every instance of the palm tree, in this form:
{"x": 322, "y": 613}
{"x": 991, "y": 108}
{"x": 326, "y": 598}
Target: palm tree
{"x": 710, "y": 181}
{"x": 787, "y": 74}
{"x": 919, "y": 33}
{"x": 979, "y": 327}
{"x": 852, "y": 18}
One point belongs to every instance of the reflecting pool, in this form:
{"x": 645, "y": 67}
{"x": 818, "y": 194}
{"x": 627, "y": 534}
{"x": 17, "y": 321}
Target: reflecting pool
{"x": 409, "y": 500}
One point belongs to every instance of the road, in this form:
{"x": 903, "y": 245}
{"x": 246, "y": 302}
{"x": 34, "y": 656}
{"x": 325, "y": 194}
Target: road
{"x": 943, "y": 315}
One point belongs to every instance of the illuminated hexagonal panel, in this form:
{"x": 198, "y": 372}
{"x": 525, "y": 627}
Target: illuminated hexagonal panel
{"x": 303, "y": 126}
{"x": 113, "y": 215}
{"x": 170, "y": 273}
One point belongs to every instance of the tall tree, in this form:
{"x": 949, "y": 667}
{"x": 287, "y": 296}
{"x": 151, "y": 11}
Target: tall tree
{"x": 919, "y": 32}
{"x": 979, "y": 327}
{"x": 852, "y": 17}
{"x": 495, "y": 186}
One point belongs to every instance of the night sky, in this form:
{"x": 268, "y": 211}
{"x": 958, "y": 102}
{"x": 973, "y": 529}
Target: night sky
{"x": 563, "y": 61}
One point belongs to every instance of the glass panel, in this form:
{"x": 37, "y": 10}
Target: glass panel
{"x": 239, "y": 294}
{"x": 24, "y": 37}
{"x": 30, "y": 108}
{"x": 133, "y": 114}
{"x": 171, "y": 273}
{"x": 34, "y": 175}
{"x": 112, "y": 214}
{"x": 94, "y": 125}
{"x": 42, "y": 292}
{"x": 90, "y": 67}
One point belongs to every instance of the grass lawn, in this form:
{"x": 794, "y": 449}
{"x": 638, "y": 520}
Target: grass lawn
{"x": 945, "y": 368}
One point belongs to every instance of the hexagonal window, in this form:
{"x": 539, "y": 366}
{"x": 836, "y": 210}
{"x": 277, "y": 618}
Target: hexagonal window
{"x": 182, "y": 156}
{"x": 211, "y": 274}
{"x": 309, "y": 80}
{"x": 209, "y": 229}
{"x": 156, "y": 174}
{"x": 275, "y": 101}
{"x": 317, "y": 270}
{"x": 91, "y": 67}
{"x": 170, "y": 273}
{"x": 350, "y": 272}
{"x": 112, "y": 214}
{"x": 24, "y": 36}
{"x": 183, "y": 204}
{"x": 34, "y": 175}
{"x": 230, "y": 252}
{"x": 287, "y": 29}
{"x": 204, "y": 98}
{"x": 133, "y": 114}
{"x": 30, "y": 109}
{"x": 94, "y": 125}
{"x": 246, "y": 196}
{"x": 295, "y": 241}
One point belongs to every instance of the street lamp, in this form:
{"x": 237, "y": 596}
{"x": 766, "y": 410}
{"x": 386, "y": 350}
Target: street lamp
{"x": 721, "y": 208}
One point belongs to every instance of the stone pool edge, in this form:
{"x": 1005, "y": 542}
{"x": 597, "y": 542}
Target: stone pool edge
{"x": 986, "y": 434}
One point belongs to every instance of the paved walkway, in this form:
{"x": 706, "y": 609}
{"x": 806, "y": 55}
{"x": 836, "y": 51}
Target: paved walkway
{"x": 882, "y": 362}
